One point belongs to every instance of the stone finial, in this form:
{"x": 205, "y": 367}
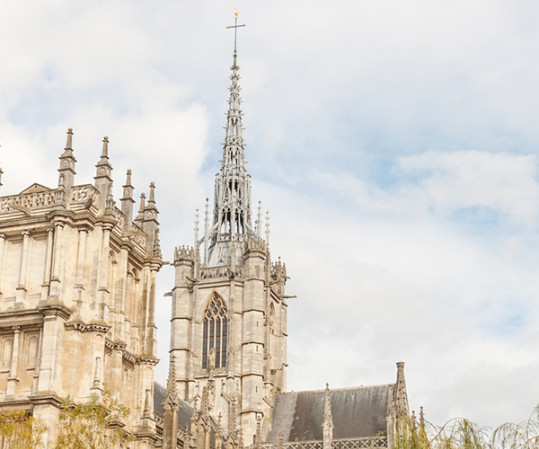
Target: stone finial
{"x": 171, "y": 380}
{"x": 142, "y": 202}
{"x": 196, "y": 229}
{"x": 140, "y": 215}
{"x": 66, "y": 172}
{"x": 151, "y": 200}
{"x": 127, "y": 200}
{"x": 206, "y": 229}
{"x": 327, "y": 423}
{"x": 259, "y": 220}
{"x": 103, "y": 176}
{"x": 267, "y": 228}
{"x": 401, "y": 397}
{"x": 421, "y": 418}
{"x": 105, "y": 150}
{"x": 69, "y": 140}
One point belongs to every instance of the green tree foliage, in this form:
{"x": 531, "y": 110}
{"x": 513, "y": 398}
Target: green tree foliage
{"x": 18, "y": 430}
{"x": 96, "y": 424}
{"x": 518, "y": 436}
{"x": 460, "y": 433}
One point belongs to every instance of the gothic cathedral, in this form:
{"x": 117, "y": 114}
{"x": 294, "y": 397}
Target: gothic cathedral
{"x": 77, "y": 318}
{"x": 229, "y": 307}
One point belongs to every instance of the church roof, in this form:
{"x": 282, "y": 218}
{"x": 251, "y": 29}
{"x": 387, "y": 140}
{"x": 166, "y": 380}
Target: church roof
{"x": 184, "y": 410}
{"x": 357, "y": 412}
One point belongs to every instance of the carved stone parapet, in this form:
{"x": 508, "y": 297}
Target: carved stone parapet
{"x": 255, "y": 244}
{"x": 220, "y": 272}
{"x": 30, "y": 201}
{"x": 184, "y": 253}
{"x": 98, "y": 327}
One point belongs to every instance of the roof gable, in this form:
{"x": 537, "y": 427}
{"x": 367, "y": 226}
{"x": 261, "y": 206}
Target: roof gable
{"x": 34, "y": 188}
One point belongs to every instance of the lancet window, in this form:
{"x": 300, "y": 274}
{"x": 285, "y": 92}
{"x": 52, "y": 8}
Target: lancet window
{"x": 214, "y": 336}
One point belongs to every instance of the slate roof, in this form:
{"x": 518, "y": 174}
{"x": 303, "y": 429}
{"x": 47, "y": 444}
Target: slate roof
{"x": 357, "y": 413}
{"x": 185, "y": 410}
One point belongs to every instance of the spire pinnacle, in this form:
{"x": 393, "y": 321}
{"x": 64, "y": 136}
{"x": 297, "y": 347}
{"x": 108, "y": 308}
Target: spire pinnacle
{"x": 401, "y": 397}
{"x": 235, "y": 27}
{"x": 105, "y": 151}
{"x": 69, "y": 142}
{"x": 232, "y": 205}
{"x": 66, "y": 176}
{"x": 171, "y": 384}
{"x": 151, "y": 200}
{"x": 142, "y": 202}
{"x": 127, "y": 200}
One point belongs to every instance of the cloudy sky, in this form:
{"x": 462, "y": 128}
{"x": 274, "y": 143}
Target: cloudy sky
{"x": 394, "y": 143}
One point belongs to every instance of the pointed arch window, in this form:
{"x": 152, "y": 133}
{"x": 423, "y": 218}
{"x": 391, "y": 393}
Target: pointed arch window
{"x": 215, "y": 333}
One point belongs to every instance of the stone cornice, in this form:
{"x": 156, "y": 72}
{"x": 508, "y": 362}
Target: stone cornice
{"x": 55, "y": 309}
{"x": 46, "y": 398}
{"x": 98, "y": 327}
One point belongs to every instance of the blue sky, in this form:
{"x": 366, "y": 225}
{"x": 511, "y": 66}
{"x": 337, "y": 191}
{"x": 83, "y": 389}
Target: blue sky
{"x": 394, "y": 144}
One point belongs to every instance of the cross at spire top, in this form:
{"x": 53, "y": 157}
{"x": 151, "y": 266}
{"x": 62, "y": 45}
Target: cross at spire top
{"x": 235, "y": 26}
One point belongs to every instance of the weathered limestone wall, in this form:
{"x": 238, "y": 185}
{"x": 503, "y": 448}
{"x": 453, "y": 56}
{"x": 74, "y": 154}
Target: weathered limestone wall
{"x": 77, "y": 296}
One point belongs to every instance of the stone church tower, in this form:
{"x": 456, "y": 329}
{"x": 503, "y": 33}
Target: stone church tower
{"x": 77, "y": 297}
{"x": 229, "y": 310}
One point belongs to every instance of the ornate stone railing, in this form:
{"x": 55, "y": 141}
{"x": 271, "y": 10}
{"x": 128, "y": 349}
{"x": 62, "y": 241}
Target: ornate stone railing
{"x": 360, "y": 443}
{"x": 345, "y": 443}
{"x": 219, "y": 272}
{"x": 81, "y": 194}
{"x": 28, "y": 201}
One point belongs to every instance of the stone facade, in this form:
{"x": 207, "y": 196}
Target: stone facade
{"x": 77, "y": 302}
{"x": 77, "y": 296}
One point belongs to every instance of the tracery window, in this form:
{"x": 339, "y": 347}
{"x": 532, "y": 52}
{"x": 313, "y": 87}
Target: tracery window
{"x": 214, "y": 336}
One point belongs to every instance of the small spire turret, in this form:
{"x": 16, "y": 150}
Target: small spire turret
{"x": 66, "y": 172}
{"x": 267, "y": 228}
{"x": 170, "y": 408}
{"x": 151, "y": 199}
{"x": 150, "y": 225}
{"x": 127, "y": 201}
{"x": 327, "y": 424}
{"x": 142, "y": 206}
{"x": 400, "y": 395}
{"x": 103, "y": 176}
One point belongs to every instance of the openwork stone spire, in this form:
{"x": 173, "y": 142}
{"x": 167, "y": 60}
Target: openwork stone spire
{"x": 232, "y": 203}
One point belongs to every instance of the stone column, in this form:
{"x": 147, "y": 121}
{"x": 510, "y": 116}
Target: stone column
{"x": 79, "y": 286}
{"x": 103, "y": 291}
{"x": 56, "y": 261}
{"x": 2, "y": 240}
{"x": 53, "y": 331}
{"x": 21, "y": 287}
{"x": 48, "y": 263}
{"x": 13, "y": 379}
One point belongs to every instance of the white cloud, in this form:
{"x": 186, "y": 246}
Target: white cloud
{"x": 400, "y": 243}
